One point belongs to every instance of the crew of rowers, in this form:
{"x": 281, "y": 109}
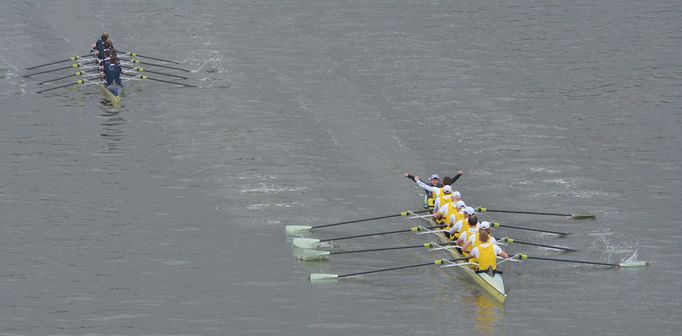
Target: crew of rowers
{"x": 459, "y": 221}
{"x": 108, "y": 60}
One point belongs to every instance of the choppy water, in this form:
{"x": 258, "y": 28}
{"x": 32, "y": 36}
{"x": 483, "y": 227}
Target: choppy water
{"x": 166, "y": 217}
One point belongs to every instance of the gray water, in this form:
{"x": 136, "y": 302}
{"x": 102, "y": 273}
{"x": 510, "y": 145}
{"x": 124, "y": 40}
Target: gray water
{"x": 167, "y": 217}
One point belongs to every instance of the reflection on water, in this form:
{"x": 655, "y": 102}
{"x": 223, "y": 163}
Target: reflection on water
{"x": 112, "y": 132}
{"x": 485, "y": 311}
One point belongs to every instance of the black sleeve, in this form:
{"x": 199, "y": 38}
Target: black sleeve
{"x": 455, "y": 178}
{"x": 411, "y": 177}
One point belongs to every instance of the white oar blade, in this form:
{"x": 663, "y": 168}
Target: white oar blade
{"x": 307, "y": 243}
{"x": 313, "y": 255}
{"x": 292, "y": 229}
{"x": 323, "y": 277}
{"x": 633, "y": 264}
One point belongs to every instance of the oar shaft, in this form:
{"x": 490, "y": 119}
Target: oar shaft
{"x": 529, "y": 212}
{"x": 543, "y": 245}
{"x": 154, "y": 72}
{"x": 536, "y": 230}
{"x": 363, "y": 220}
{"x": 386, "y": 269}
{"x": 170, "y": 82}
{"x": 46, "y": 71}
{"x": 377, "y": 234}
{"x": 163, "y": 66}
{"x": 55, "y": 62}
{"x": 574, "y": 261}
{"x": 377, "y": 249}
{"x": 153, "y": 58}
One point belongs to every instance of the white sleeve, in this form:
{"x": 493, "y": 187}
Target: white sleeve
{"x": 463, "y": 236}
{"x": 493, "y": 240}
{"x": 458, "y": 226}
{"x": 452, "y": 218}
{"x": 436, "y": 203}
{"x": 497, "y": 249}
{"x": 426, "y": 186}
{"x": 443, "y": 209}
{"x": 474, "y": 252}
{"x": 472, "y": 240}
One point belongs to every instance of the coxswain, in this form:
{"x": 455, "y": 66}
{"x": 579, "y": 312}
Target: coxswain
{"x": 473, "y": 239}
{"x": 486, "y": 253}
{"x": 97, "y": 49}
{"x": 435, "y": 181}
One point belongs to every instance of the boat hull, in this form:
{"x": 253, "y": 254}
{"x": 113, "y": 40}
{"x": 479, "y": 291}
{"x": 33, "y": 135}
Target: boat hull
{"x": 493, "y": 285}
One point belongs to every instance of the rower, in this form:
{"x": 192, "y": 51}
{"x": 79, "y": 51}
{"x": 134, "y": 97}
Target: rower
{"x": 112, "y": 70}
{"x": 462, "y": 224}
{"x": 486, "y": 253}
{"x": 450, "y": 213}
{"x": 453, "y": 197}
{"x": 97, "y": 49}
{"x": 464, "y": 235}
{"x": 474, "y": 239}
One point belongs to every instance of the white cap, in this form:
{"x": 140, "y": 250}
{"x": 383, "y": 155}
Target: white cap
{"x": 469, "y": 210}
{"x": 447, "y": 189}
{"x": 484, "y": 225}
{"x": 435, "y": 176}
{"x": 456, "y": 194}
{"x": 460, "y": 204}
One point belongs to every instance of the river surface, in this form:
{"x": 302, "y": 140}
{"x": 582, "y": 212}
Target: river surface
{"x": 166, "y": 217}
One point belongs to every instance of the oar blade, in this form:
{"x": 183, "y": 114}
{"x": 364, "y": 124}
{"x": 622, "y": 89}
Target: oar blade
{"x": 308, "y": 255}
{"x": 583, "y": 216}
{"x": 633, "y": 264}
{"x": 307, "y": 243}
{"x": 293, "y": 229}
{"x": 323, "y": 277}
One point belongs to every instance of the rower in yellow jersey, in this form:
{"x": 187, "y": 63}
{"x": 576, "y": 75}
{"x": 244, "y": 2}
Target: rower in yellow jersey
{"x": 486, "y": 253}
{"x": 473, "y": 239}
{"x": 452, "y": 198}
{"x": 450, "y": 213}
{"x": 472, "y": 229}
{"x": 462, "y": 224}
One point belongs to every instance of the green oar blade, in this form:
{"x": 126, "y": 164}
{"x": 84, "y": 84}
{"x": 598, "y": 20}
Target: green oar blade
{"x": 323, "y": 277}
{"x": 313, "y": 255}
{"x": 307, "y": 243}
{"x": 293, "y": 229}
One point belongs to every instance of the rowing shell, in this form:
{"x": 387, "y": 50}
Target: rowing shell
{"x": 494, "y": 285}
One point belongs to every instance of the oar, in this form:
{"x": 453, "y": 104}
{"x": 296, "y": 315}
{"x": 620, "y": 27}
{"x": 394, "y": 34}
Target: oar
{"x": 156, "y": 59}
{"x": 53, "y": 70}
{"x": 299, "y": 228}
{"x": 158, "y": 65}
{"x": 511, "y": 240}
{"x": 61, "y": 86}
{"x": 311, "y": 243}
{"x": 573, "y": 216}
{"x": 625, "y": 264}
{"x": 560, "y": 234}
{"x": 325, "y": 276}
{"x": 165, "y": 81}
{"x": 138, "y": 69}
{"x": 78, "y": 74}
{"x": 73, "y": 58}
{"x": 320, "y": 255}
